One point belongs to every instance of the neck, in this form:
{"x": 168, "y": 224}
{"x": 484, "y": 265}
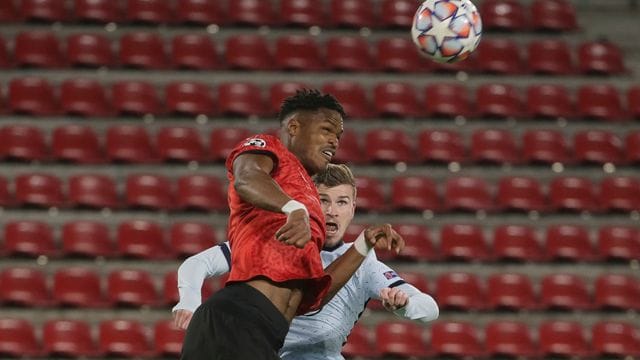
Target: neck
{"x": 333, "y": 247}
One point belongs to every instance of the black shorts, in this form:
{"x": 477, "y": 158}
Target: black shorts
{"x": 236, "y": 323}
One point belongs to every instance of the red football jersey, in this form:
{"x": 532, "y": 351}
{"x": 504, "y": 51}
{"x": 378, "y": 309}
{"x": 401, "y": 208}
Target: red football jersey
{"x": 251, "y": 231}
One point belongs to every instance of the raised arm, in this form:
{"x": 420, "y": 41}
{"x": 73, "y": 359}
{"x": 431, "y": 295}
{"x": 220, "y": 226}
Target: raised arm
{"x": 407, "y": 301}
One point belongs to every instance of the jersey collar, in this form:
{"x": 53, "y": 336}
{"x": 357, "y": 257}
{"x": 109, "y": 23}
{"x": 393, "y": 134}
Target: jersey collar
{"x": 334, "y": 247}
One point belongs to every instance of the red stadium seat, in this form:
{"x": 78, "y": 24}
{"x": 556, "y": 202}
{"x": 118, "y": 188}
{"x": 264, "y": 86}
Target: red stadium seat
{"x": 100, "y": 11}
{"x": 564, "y": 292}
{"x": 77, "y": 287}
{"x": 503, "y": 15}
{"x": 241, "y": 99}
{"x": 83, "y": 97}
{"x": 597, "y": 146}
{"x": 511, "y": 291}
{"x": 510, "y": 339}
{"x": 304, "y": 13}
{"x": 189, "y": 238}
{"x": 549, "y": 101}
{"x": 201, "y": 192}
{"x": 520, "y": 193}
{"x": 68, "y": 338}
{"x": 22, "y": 142}
{"x": 129, "y": 143}
{"x": 350, "y": 149}
{"x": 149, "y": 11}
{"x": 133, "y": 288}
{"x": 499, "y": 56}
{"x": 167, "y": 338}
{"x": 618, "y": 339}
{"x": 359, "y": 343}
{"x": 352, "y": 97}
{"x": 6, "y": 199}
{"x": 399, "y": 55}
{"x": 194, "y": 52}
{"x": 8, "y": 12}
{"x": 633, "y": 101}
{"x": 467, "y": 193}
{"x": 76, "y": 144}
{"x": 23, "y": 286}
{"x": 39, "y": 190}
{"x": 600, "y": 58}
{"x": 619, "y": 243}
{"x": 460, "y": 291}
{"x": 93, "y": 191}
{"x": 494, "y": 146}
{"x": 447, "y": 100}
{"x": 371, "y": 197}
{"x": 141, "y": 239}
{"x": 32, "y": 96}
{"x": 89, "y": 50}
{"x": 29, "y": 238}
{"x": 39, "y": 49}
{"x": 396, "y": 100}
{"x": 545, "y": 146}
{"x": 248, "y": 52}
{"x": 415, "y": 193}
{"x": 553, "y": 15}
{"x": 562, "y": 338}
{"x": 352, "y": 13}
{"x": 440, "y": 146}
{"x": 418, "y": 247}
{"x": 463, "y": 242}
{"x": 251, "y": 13}
{"x": 123, "y": 338}
{"x": 142, "y": 50}
{"x": 6, "y": 60}
{"x": 403, "y": 339}
{"x": 180, "y": 144}
{"x": 200, "y": 12}
{"x": 620, "y": 193}
{"x": 349, "y": 53}
{"x": 298, "y": 53}
{"x": 617, "y": 292}
{"x": 86, "y": 239}
{"x": 397, "y": 13}
{"x": 498, "y": 100}
{"x": 137, "y": 98}
{"x": 516, "y": 243}
{"x": 392, "y": 146}
{"x": 223, "y": 140}
{"x": 282, "y": 90}
{"x": 456, "y": 339}
{"x": 572, "y": 194}
{"x": 568, "y": 242}
{"x": 632, "y": 147}
{"x": 550, "y": 57}
{"x": 43, "y": 10}
{"x": 149, "y": 191}
{"x": 18, "y": 338}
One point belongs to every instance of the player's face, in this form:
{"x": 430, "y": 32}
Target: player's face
{"x": 314, "y": 138}
{"x": 338, "y": 205}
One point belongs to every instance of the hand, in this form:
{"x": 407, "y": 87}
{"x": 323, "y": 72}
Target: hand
{"x": 384, "y": 237}
{"x": 296, "y": 231}
{"x": 393, "y": 298}
{"x": 181, "y": 318}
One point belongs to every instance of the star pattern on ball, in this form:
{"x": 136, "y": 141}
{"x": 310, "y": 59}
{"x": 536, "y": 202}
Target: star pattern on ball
{"x": 440, "y": 30}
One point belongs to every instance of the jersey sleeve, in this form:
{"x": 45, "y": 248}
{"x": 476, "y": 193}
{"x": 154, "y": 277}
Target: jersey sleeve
{"x": 379, "y": 276}
{"x": 258, "y": 144}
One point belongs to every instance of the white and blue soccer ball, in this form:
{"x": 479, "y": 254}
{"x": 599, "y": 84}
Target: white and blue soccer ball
{"x": 447, "y": 31}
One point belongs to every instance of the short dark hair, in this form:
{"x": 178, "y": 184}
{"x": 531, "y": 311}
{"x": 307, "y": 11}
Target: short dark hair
{"x": 309, "y": 99}
{"x": 335, "y": 175}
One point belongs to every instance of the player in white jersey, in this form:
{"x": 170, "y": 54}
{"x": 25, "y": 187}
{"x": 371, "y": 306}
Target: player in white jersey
{"x": 320, "y": 334}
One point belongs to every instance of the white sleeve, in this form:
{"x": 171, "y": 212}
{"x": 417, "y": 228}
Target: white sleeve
{"x": 194, "y": 270}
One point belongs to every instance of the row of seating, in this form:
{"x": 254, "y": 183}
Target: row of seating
{"x": 454, "y": 291}
{"x": 147, "y": 239}
{"x": 36, "y": 96}
{"x": 403, "y": 193}
{"x": 137, "y": 144}
{"x": 148, "y": 50}
{"x": 548, "y": 15}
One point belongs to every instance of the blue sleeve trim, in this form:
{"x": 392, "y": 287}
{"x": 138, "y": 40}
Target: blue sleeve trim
{"x": 226, "y": 253}
{"x": 397, "y": 283}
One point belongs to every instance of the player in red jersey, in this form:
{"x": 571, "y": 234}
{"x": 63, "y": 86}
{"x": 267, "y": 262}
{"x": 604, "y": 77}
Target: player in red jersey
{"x": 276, "y": 230}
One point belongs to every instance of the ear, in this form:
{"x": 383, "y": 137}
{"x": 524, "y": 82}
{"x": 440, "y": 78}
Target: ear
{"x": 293, "y": 126}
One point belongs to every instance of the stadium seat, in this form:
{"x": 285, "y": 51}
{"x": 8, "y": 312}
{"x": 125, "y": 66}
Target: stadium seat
{"x": 499, "y": 56}
{"x": 83, "y": 238}
{"x": 39, "y": 190}
{"x": 22, "y": 143}
{"x": 418, "y": 247}
{"x": 201, "y": 192}
{"x": 562, "y": 338}
{"x": 350, "y": 149}
{"x": 516, "y": 243}
{"x": 167, "y": 338}
{"x": 77, "y": 287}
{"x": 460, "y": 291}
{"x": 511, "y": 291}
{"x": 617, "y": 292}
{"x": 129, "y": 144}
{"x": 38, "y": 49}
{"x": 464, "y": 242}
{"x": 597, "y": 146}
{"x": 32, "y": 96}
{"x": 503, "y": 15}
{"x": 550, "y": 57}
{"x": 633, "y": 101}
{"x": 549, "y": 102}
{"x": 553, "y": 15}
{"x": 141, "y": 239}
{"x": 180, "y": 144}
{"x": 142, "y": 50}
{"x": 359, "y": 343}
{"x": 400, "y": 339}
{"x": 302, "y": 13}
{"x": 456, "y": 339}
{"x": 621, "y": 193}
{"x": 442, "y": 146}
{"x": 396, "y": 100}
{"x": 520, "y": 193}
{"x": 68, "y": 338}
{"x": 18, "y": 338}
{"x": 6, "y": 60}
{"x": 564, "y": 292}
{"x": 188, "y": 237}
{"x": 414, "y": 193}
{"x": 572, "y": 194}
{"x": 83, "y": 97}
{"x": 545, "y": 146}
{"x": 43, "y": 10}
{"x": 467, "y": 193}
{"x": 352, "y": 13}
{"x": 135, "y": 98}
{"x": 399, "y": 55}
{"x": 131, "y": 288}
{"x": 241, "y": 99}
{"x": 391, "y": 146}
{"x": 223, "y": 140}
{"x": 397, "y": 13}
{"x": 498, "y": 101}
{"x": 253, "y": 13}
{"x": 200, "y": 12}
{"x": 89, "y": 50}
{"x": 248, "y": 52}
{"x": 8, "y": 12}
{"x": 93, "y": 191}
{"x": 352, "y": 97}
{"x": 99, "y": 11}
{"x": 568, "y": 243}
{"x": 619, "y": 243}
{"x": 371, "y": 196}
{"x": 149, "y": 11}
{"x": 76, "y": 144}
{"x": 28, "y": 238}
{"x": 23, "y": 286}
{"x": 170, "y": 294}
{"x": 618, "y": 339}
{"x": 495, "y": 146}
{"x": 298, "y": 53}
{"x": 510, "y": 339}
{"x": 600, "y": 58}
{"x": 149, "y": 192}
{"x": 349, "y": 53}
{"x": 194, "y": 52}
{"x": 281, "y": 90}
{"x": 6, "y": 199}
{"x": 632, "y": 147}
{"x": 447, "y": 100}
{"x": 123, "y": 338}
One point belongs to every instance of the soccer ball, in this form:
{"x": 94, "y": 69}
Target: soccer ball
{"x": 446, "y": 30}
